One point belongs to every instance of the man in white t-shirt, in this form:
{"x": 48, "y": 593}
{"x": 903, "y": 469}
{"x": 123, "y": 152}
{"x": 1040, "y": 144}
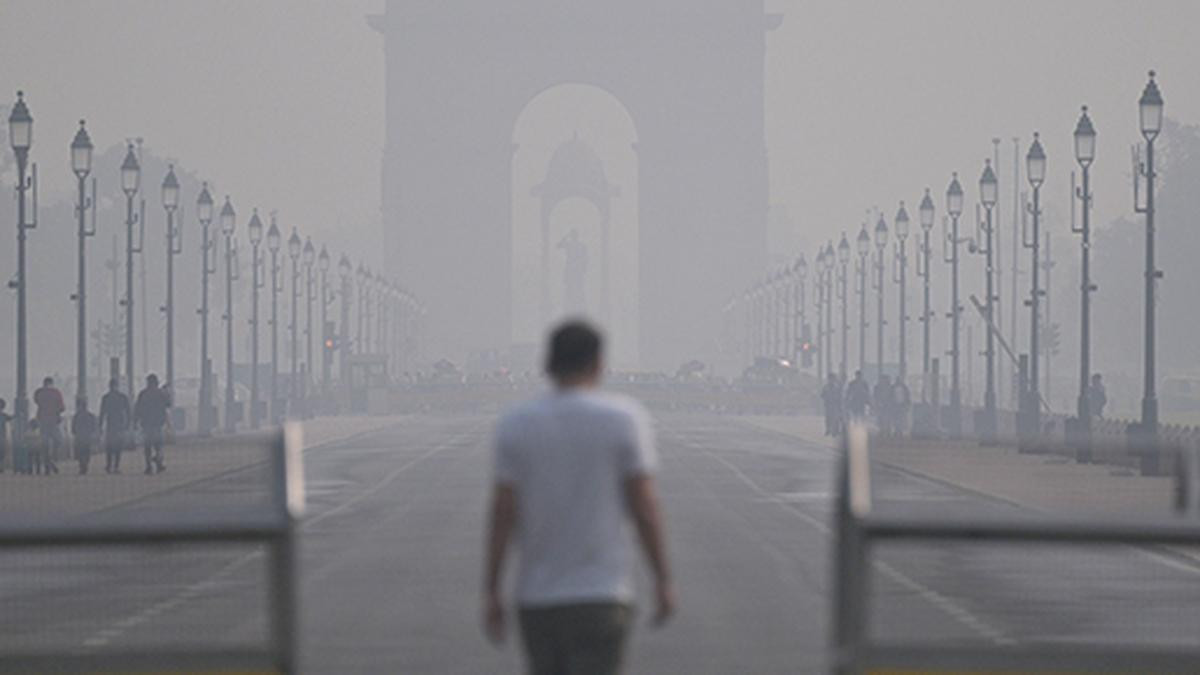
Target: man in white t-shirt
{"x": 573, "y": 469}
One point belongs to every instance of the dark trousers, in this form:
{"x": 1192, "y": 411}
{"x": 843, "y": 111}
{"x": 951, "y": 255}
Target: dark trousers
{"x": 153, "y": 444}
{"x": 113, "y": 445}
{"x": 575, "y": 639}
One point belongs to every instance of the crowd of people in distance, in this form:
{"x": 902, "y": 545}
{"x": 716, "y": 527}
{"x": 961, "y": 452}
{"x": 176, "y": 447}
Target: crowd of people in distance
{"x": 116, "y": 429}
{"x": 890, "y": 402}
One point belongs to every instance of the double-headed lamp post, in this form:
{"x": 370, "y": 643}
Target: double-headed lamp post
{"x": 1085, "y": 153}
{"x": 274, "y": 241}
{"x": 988, "y": 193}
{"x": 294, "y": 247}
{"x": 208, "y": 266}
{"x": 881, "y": 240}
{"x": 81, "y": 164}
{"x": 310, "y": 257}
{"x": 925, "y": 213}
{"x": 254, "y": 230}
{"x": 131, "y": 176}
{"x": 951, "y": 240}
{"x": 843, "y": 254}
{"x": 326, "y": 335}
{"x": 901, "y": 261}
{"x": 1150, "y": 114}
{"x": 1035, "y": 170}
{"x": 228, "y": 223}
{"x": 170, "y": 200}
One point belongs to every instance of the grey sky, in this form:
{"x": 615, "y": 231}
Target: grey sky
{"x": 280, "y": 101}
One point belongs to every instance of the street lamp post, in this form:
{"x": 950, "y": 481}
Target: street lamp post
{"x": 988, "y": 190}
{"x": 255, "y": 233}
{"x": 881, "y": 237}
{"x": 863, "y": 245}
{"x": 829, "y": 291}
{"x": 228, "y": 222}
{"x": 843, "y": 253}
{"x": 1150, "y": 108}
{"x": 900, "y": 259}
{"x": 800, "y": 272}
{"x": 273, "y": 243}
{"x": 130, "y": 179}
{"x": 294, "y": 248}
{"x": 20, "y": 136}
{"x": 170, "y": 200}
{"x": 954, "y": 206}
{"x": 208, "y": 266}
{"x": 310, "y": 256}
{"x": 81, "y": 164}
{"x": 1085, "y": 153}
{"x": 925, "y": 212}
{"x": 346, "y": 272}
{"x": 326, "y": 346}
{"x": 820, "y": 288}
{"x": 1035, "y": 169}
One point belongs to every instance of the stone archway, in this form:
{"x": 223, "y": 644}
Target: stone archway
{"x": 690, "y": 73}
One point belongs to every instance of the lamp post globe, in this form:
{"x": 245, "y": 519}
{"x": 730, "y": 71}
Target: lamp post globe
{"x": 901, "y": 223}
{"x": 131, "y": 172}
{"x": 954, "y": 197}
{"x": 204, "y": 206}
{"x": 294, "y": 245}
{"x": 20, "y": 126}
{"x": 1150, "y": 109}
{"x": 1035, "y": 162}
{"x": 881, "y": 234}
{"x": 863, "y": 241}
{"x": 254, "y": 229}
{"x": 170, "y": 189}
{"x": 1085, "y": 139}
{"x": 988, "y": 186}
{"x": 925, "y": 211}
{"x": 844, "y": 250}
{"x": 228, "y": 218}
{"x": 81, "y": 151}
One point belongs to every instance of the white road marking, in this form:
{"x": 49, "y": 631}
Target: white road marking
{"x": 192, "y": 591}
{"x": 941, "y": 602}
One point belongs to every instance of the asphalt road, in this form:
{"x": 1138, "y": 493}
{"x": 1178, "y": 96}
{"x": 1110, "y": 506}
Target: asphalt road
{"x": 391, "y": 547}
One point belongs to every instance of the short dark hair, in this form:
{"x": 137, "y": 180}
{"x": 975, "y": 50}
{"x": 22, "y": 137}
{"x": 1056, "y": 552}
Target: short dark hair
{"x": 575, "y": 348}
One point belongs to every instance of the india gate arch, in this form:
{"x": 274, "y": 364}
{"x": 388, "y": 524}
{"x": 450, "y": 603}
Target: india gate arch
{"x": 689, "y": 73}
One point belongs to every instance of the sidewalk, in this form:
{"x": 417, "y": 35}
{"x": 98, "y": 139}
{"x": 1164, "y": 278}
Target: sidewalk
{"x": 189, "y": 460}
{"x": 1046, "y": 483}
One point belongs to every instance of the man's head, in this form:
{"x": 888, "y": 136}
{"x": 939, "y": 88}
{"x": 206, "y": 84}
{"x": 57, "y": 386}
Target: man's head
{"x": 48, "y": 382}
{"x": 858, "y": 374}
{"x": 1096, "y": 378}
{"x": 80, "y": 403}
{"x": 575, "y": 355}
{"x": 152, "y": 381}
{"x": 113, "y": 384}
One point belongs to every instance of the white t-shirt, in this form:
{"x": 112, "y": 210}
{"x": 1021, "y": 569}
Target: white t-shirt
{"x": 568, "y": 455}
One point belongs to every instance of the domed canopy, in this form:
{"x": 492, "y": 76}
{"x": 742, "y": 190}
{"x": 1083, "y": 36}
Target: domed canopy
{"x": 575, "y": 171}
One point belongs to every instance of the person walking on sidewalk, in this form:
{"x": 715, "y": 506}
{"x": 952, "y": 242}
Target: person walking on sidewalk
{"x": 831, "y": 397}
{"x": 84, "y": 429}
{"x": 570, "y": 468}
{"x": 1097, "y": 397}
{"x": 858, "y": 395}
{"x": 114, "y": 421}
{"x": 50, "y": 409}
{"x": 150, "y": 415}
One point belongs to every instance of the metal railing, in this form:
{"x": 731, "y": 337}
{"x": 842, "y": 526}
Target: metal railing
{"x": 273, "y": 528}
{"x": 859, "y": 529}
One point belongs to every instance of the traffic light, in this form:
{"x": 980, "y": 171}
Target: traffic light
{"x": 807, "y": 348}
